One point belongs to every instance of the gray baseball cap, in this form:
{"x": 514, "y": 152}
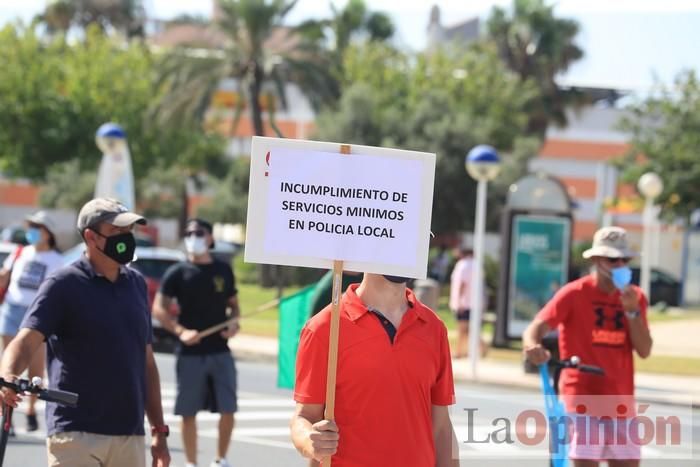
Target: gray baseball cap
{"x": 42, "y": 218}
{"x": 107, "y": 210}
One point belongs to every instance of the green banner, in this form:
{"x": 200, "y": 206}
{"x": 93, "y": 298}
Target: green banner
{"x": 539, "y": 266}
{"x": 294, "y": 312}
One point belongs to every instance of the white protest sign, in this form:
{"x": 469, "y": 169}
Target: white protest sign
{"x": 309, "y": 205}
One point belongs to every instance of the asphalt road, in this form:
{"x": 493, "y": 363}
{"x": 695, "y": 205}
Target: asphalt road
{"x": 261, "y": 436}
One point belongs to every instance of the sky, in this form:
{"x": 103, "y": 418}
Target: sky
{"x": 629, "y": 44}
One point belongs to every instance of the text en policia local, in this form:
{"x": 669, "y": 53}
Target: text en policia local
{"x": 339, "y": 210}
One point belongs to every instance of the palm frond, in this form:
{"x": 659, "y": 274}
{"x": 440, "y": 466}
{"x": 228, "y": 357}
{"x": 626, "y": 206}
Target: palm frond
{"x": 188, "y": 82}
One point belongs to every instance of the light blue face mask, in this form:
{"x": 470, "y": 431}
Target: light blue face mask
{"x": 33, "y": 235}
{"x": 621, "y": 276}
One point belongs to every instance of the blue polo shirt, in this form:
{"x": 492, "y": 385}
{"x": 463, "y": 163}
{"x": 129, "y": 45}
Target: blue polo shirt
{"x": 97, "y": 332}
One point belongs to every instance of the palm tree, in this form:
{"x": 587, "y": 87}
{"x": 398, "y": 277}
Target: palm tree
{"x": 355, "y": 18}
{"x": 126, "y": 16}
{"x": 347, "y": 23}
{"x": 536, "y": 45}
{"x": 259, "y": 54}
{"x": 58, "y": 16}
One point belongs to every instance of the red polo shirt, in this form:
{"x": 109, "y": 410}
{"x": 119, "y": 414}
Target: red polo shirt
{"x": 384, "y": 391}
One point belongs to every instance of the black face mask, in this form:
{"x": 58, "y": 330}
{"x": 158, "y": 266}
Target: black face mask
{"x": 396, "y": 279}
{"x": 119, "y": 247}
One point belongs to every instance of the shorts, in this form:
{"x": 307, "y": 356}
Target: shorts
{"x": 463, "y": 315}
{"x": 205, "y": 382}
{"x": 11, "y": 317}
{"x": 77, "y": 448}
{"x": 596, "y": 439}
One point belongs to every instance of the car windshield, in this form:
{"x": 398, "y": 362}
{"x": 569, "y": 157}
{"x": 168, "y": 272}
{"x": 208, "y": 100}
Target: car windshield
{"x": 152, "y": 268}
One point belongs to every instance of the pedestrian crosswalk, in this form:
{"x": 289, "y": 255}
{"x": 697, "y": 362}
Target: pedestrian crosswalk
{"x": 260, "y": 420}
{"x": 263, "y": 420}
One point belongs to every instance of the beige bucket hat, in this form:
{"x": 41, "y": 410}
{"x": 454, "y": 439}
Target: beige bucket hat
{"x": 610, "y": 242}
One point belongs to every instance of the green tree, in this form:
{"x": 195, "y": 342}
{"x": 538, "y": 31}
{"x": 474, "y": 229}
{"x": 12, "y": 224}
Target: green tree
{"x": 538, "y": 46}
{"x": 230, "y": 194}
{"x": 353, "y": 21}
{"x": 126, "y": 16}
{"x": 67, "y": 186}
{"x": 665, "y": 137}
{"x": 191, "y": 75}
{"x": 392, "y": 99}
{"x": 54, "y": 96}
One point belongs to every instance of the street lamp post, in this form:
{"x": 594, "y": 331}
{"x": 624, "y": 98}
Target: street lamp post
{"x": 483, "y": 165}
{"x": 650, "y": 186}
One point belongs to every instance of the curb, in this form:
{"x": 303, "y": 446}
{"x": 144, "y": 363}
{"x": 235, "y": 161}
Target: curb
{"x": 520, "y": 380}
{"x": 247, "y": 355}
{"x": 671, "y": 400}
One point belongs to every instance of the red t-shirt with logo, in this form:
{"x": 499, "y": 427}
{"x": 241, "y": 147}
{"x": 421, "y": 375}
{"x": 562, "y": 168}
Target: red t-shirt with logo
{"x": 592, "y": 325}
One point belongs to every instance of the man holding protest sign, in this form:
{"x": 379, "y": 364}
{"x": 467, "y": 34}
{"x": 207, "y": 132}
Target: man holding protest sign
{"x": 376, "y": 363}
{"x": 205, "y": 290}
{"x": 394, "y": 382}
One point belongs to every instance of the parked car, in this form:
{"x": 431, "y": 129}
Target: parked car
{"x": 14, "y": 233}
{"x": 152, "y": 262}
{"x": 664, "y": 287}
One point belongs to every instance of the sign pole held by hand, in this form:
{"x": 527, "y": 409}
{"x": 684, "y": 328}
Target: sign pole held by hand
{"x": 312, "y": 204}
{"x": 334, "y": 332}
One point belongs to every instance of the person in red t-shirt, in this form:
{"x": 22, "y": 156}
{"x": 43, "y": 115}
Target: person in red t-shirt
{"x": 394, "y": 382}
{"x": 601, "y": 318}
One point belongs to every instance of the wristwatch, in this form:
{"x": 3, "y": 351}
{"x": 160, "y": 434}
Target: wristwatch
{"x": 632, "y": 314}
{"x": 163, "y": 430}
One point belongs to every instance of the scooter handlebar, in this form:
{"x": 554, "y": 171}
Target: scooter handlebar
{"x": 575, "y": 363}
{"x": 66, "y": 398}
{"x": 591, "y": 369}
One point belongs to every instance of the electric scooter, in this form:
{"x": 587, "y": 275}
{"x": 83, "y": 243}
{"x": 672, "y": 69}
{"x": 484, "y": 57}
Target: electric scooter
{"x": 554, "y": 408}
{"x": 33, "y": 387}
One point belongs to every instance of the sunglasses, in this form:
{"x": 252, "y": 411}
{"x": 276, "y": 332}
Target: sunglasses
{"x": 616, "y": 260}
{"x": 196, "y": 233}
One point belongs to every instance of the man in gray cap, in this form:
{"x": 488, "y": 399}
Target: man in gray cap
{"x": 602, "y": 319}
{"x": 95, "y": 318}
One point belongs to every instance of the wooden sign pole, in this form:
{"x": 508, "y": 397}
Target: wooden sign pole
{"x": 334, "y": 332}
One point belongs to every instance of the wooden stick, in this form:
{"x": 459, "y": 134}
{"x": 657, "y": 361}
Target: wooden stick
{"x": 334, "y": 332}
{"x": 333, "y": 346}
{"x": 263, "y": 307}
{"x": 217, "y": 327}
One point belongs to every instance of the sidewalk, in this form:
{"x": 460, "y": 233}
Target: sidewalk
{"x": 677, "y": 338}
{"x": 651, "y": 388}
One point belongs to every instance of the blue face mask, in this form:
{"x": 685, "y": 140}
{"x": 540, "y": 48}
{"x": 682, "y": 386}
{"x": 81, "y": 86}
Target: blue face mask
{"x": 33, "y": 235}
{"x": 621, "y": 276}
